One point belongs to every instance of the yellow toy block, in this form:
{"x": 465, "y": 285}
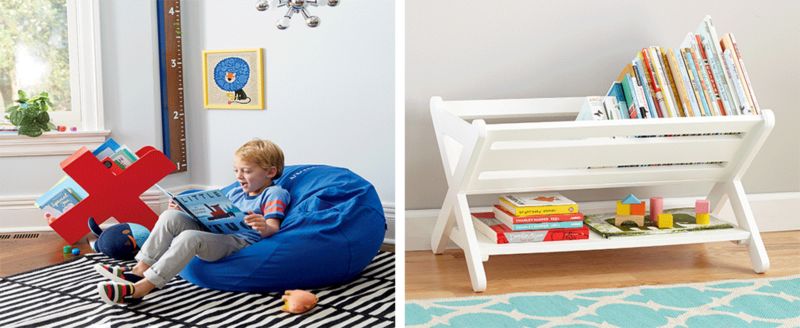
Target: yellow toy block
{"x": 665, "y": 220}
{"x": 703, "y": 218}
{"x": 623, "y": 209}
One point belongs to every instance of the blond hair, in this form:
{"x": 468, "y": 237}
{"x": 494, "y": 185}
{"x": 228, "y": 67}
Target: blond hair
{"x": 263, "y": 153}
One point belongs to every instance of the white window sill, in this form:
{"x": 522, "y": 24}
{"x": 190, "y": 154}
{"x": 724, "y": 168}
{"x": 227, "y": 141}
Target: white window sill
{"x": 50, "y": 143}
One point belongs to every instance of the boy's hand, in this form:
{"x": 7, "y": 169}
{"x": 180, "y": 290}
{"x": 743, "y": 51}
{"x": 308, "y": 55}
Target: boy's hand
{"x": 258, "y": 223}
{"x": 173, "y": 206}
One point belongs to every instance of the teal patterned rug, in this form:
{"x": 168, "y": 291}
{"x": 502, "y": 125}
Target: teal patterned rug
{"x": 732, "y": 303}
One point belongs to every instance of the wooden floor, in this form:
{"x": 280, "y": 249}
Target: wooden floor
{"x": 22, "y": 255}
{"x": 445, "y": 275}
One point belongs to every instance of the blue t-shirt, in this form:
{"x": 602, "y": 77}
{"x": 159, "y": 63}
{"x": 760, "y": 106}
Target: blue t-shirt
{"x": 271, "y": 202}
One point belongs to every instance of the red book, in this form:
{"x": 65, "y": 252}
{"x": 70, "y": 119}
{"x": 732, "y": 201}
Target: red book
{"x": 711, "y": 79}
{"x": 508, "y": 218}
{"x": 487, "y": 225}
{"x": 656, "y": 91}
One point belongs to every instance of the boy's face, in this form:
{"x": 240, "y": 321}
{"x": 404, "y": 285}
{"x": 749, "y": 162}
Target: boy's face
{"x": 252, "y": 177}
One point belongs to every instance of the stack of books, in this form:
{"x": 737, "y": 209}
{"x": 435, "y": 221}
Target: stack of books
{"x": 526, "y": 218}
{"x": 704, "y": 76}
{"x": 67, "y": 193}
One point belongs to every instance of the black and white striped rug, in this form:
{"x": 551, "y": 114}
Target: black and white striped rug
{"x": 64, "y": 295}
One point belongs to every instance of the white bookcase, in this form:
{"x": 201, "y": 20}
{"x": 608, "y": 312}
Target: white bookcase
{"x": 528, "y": 145}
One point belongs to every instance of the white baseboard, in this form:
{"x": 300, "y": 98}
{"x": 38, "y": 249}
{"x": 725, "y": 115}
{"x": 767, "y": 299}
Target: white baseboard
{"x": 18, "y": 213}
{"x": 773, "y": 212}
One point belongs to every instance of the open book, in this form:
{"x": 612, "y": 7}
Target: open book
{"x": 213, "y": 210}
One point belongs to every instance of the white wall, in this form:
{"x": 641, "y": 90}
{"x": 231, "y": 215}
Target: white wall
{"x": 529, "y": 49}
{"x": 329, "y": 91}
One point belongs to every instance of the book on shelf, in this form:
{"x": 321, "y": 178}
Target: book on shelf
{"x": 486, "y": 224}
{"x": 60, "y": 202}
{"x": 67, "y": 186}
{"x": 213, "y": 210}
{"x": 511, "y": 220}
{"x": 537, "y": 204}
{"x": 683, "y": 220}
{"x": 64, "y": 187}
{"x": 704, "y": 76}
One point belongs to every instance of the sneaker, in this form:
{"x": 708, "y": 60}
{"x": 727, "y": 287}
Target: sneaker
{"x": 116, "y": 273}
{"x": 117, "y": 293}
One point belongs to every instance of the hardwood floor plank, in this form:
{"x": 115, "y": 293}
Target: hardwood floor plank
{"x": 439, "y": 276}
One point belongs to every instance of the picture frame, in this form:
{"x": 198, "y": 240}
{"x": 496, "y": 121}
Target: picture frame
{"x": 233, "y": 79}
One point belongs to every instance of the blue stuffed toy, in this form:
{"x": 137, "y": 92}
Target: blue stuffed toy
{"x": 120, "y": 241}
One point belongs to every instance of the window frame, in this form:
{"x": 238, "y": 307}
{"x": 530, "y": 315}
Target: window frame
{"x": 86, "y": 90}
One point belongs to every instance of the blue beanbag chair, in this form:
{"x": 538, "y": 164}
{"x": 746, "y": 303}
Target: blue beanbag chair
{"x": 333, "y": 228}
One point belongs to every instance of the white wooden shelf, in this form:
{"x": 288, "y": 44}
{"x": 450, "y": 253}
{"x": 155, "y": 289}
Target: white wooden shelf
{"x": 502, "y": 146}
{"x": 597, "y": 242}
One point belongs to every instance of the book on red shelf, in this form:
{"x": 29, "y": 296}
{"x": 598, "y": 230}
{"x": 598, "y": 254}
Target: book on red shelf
{"x": 510, "y": 219}
{"x": 486, "y": 224}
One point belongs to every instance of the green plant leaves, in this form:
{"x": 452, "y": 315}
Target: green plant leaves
{"x": 30, "y": 116}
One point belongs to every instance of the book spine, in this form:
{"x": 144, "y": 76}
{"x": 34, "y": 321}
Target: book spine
{"x": 709, "y": 33}
{"x": 673, "y": 75}
{"x": 658, "y": 97}
{"x": 539, "y": 210}
{"x": 506, "y": 217}
{"x": 547, "y": 235}
{"x": 547, "y": 225}
{"x": 661, "y": 79}
{"x": 687, "y": 84}
{"x": 641, "y": 79}
{"x": 707, "y": 76}
{"x": 639, "y": 94}
{"x": 633, "y": 107}
{"x": 727, "y": 56}
{"x": 702, "y": 83}
{"x": 751, "y": 95}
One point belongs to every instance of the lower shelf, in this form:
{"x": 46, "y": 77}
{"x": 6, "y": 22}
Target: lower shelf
{"x": 596, "y": 242}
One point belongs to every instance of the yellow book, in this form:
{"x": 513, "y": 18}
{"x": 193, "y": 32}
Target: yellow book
{"x": 661, "y": 80}
{"x": 538, "y": 204}
{"x": 677, "y": 86}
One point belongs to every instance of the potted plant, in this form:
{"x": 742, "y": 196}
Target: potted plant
{"x": 30, "y": 114}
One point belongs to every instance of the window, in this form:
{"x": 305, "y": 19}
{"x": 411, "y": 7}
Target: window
{"x": 53, "y": 46}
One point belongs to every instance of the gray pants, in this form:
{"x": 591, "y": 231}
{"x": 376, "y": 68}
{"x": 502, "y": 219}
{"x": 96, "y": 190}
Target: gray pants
{"x": 175, "y": 240}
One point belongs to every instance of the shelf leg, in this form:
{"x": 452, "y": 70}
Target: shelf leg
{"x": 718, "y": 196}
{"x": 746, "y": 220}
{"x": 472, "y": 251}
{"x": 444, "y": 225}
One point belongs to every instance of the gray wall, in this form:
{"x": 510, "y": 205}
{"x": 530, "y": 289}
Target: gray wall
{"x": 329, "y": 91}
{"x": 530, "y": 49}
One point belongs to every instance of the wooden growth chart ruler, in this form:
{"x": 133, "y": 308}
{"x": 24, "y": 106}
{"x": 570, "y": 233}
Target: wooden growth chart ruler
{"x": 173, "y": 122}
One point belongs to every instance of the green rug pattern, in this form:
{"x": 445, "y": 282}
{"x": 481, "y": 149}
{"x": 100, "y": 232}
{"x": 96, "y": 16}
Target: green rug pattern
{"x": 765, "y": 302}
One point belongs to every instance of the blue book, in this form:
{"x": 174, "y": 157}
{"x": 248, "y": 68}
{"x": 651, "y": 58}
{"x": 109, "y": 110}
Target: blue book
{"x": 66, "y": 183}
{"x": 547, "y": 225}
{"x": 696, "y": 83}
{"x": 61, "y": 202}
{"x": 618, "y": 92}
{"x": 213, "y": 210}
{"x": 107, "y": 149}
{"x": 640, "y": 77}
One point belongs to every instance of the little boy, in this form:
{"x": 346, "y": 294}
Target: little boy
{"x": 176, "y": 238}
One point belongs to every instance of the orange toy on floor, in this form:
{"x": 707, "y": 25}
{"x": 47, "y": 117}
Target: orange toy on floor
{"x": 298, "y": 301}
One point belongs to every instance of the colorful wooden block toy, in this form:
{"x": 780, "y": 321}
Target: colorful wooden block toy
{"x": 703, "y": 218}
{"x": 630, "y": 209}
{"x": 656, "y": 208}
{"x": 664, "y": 220}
